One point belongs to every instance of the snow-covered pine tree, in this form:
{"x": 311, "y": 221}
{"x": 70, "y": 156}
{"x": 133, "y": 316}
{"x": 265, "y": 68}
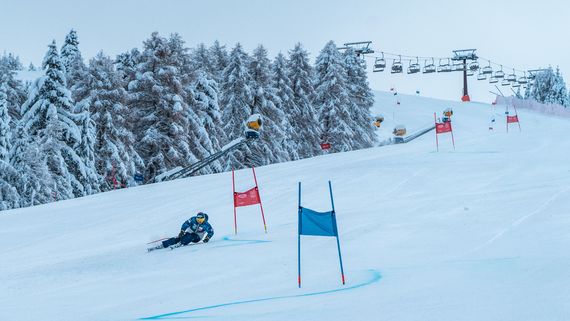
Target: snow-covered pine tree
{"x": 542, "y": 86}
{"x": 198, "y": 139}
{"x": 269, "y": 148}
{"x": 285, "y": 103}
{"x": 15, "y": 88}
{"x": 361, "y": 98}
{"x": 219, "y": 60}
{"x": 201, "y": 60}
{"x": 71, "y": 59}
{"x": 236, "y": 100}
{"x": 9, "y": 177}
{"x": 332, "y": 100}
{"x": 559, "y": 93}
{"x": 48, "y": 117}
{"x": 9, "y": 197}
{"x": 168, "y": 130}
{"x": 126, "y": 64}
{"x": 208, "y": 111}
{"x": 304, "y": 120}
{"x": 86, "y": 148}
{"x": 30, "y": 162}
{"x": 5, "y": 130}
{"x": 116, "y": 160}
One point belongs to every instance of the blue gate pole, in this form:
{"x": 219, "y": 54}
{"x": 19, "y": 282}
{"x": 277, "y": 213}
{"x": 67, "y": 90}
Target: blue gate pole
{"x": 336, "y": 232}
{"x": 299, "y": 240}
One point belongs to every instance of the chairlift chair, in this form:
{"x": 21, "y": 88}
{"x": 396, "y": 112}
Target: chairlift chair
{"x": 429, "y": 67}
{"x": 379, "y": 64}
{"x": 481, "y": 75}
{"x": 523, "y": 80}
{"x": 487, "y": 70}
{"x": 493, "y": 80}
{"x": 474, "y": 65}
{"x": 470, "y": 72}
{"x": 414, "y": 67}
{"x": 500, "y": 73}
{"x": 512, "y": 77}
{"x": 444, "y": 65}
{"x": 515, "y": 85}
{"x": 458, "y": 66}
{"x": 505, "y": 82}
{"x": 397, "y": 67}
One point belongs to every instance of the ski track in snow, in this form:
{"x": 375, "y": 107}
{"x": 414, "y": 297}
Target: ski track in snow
{"x": 403, "y": 182}
{"x": 519, "y": 221}
{"x": 374, "y": 276}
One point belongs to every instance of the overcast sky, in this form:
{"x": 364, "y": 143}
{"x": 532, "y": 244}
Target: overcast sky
{"x": 521, "y": 34}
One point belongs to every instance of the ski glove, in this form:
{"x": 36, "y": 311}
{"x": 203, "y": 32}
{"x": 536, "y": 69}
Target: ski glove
{"x": 181, "y": 234}
{"x": 206, "y": 239}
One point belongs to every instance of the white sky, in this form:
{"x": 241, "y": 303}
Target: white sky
{"x": 520, "y": 34}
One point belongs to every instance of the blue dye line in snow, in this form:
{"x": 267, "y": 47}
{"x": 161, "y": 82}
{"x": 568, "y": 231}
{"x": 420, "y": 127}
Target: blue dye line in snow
{"x": 375, "y": 276}
{"x": 241, "y": 242}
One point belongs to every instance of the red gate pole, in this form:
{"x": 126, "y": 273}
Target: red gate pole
{"x": 259, "y": 198}
{"x": 436, "y": 141}
{"x": 234, "y": 197}
{"x": 452, "y": 140}
{"x": 518, "y": 120}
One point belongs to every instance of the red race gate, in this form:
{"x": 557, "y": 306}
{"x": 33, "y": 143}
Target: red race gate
{"x": 247, "y": 198}
{"x": 442, "y": 128}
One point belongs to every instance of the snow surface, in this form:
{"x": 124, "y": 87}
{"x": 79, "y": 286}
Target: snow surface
{"x": 479, "y": 233}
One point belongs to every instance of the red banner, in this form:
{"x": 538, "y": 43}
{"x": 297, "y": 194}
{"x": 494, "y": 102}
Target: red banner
{"x": 325, "y": 146}
{"x": 249, "y": 197}
{"x": 512, "y": 119}
{"x": 441, "y": 128}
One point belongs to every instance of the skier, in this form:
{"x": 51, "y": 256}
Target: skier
{"x": 192, "y": 231}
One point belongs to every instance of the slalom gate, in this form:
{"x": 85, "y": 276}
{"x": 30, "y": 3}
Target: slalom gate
{"x": 247, "y": 198}
{"x": 317, "y": 224}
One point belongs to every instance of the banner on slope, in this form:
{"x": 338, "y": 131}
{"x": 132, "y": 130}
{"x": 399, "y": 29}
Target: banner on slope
{"x": 247, "y": 198}
{"x": 442, "y": 128}
{"x": 317, "y": 224}
{"x": 512, "y": 119}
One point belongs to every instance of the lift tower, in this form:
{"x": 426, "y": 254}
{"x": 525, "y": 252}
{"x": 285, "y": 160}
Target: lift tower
{"x": 465, "y": 55}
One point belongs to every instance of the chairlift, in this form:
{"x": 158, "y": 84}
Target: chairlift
{"x": 470, "y": 72}
{"x": 458, "y": 66}
{"x": 512, "y": 77}
{"x": 523, "y": 80}
{"x": 505, "y": 82}
{"x": 429, "y": 67}
{"x": 515, "y": 85}
{"x": 493, "y": 80}
{"x": 379, "y": 64}
{"x": 487, "y": 70}
{"x": 444, "y": 65}
{"x": 414, "y": 67}
{"x": 481, "y": 75}
{"x": 397, "y": 67}
{"x": 500, "y": 73}
{"x": 474, "y": 66}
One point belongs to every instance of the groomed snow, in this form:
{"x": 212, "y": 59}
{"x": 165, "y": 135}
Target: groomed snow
{"x": 479, "y": 233}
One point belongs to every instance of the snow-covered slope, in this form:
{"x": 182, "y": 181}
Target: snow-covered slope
{"x": 479, "y": 233}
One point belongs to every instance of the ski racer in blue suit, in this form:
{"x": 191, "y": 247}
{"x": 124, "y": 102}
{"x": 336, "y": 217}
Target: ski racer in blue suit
{"x": 192, "y": 231}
